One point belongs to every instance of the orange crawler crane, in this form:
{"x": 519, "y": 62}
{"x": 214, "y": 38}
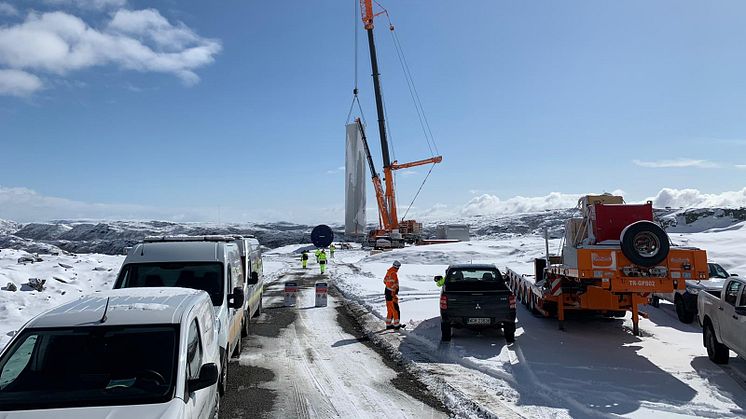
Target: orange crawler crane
{"x": 613, "y": 258}
{"x": 391, "y": 230}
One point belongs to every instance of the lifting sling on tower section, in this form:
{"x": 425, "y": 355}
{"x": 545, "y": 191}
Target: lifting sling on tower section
{"x": 390, "y": 227}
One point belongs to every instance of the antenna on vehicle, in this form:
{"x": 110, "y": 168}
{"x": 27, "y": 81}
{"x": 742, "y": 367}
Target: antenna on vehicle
{"x": 106, "y": 308}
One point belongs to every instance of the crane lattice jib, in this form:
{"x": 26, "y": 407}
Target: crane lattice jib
{"x": 366, "y": 9}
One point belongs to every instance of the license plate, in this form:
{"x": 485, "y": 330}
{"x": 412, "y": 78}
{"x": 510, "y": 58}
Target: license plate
{"x": 478, "y": 320}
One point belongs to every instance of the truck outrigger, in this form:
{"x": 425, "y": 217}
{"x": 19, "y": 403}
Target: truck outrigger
{"x": 613, "y": 258}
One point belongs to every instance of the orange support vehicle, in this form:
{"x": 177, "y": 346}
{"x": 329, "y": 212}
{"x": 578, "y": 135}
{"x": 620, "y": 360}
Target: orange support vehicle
{"x": 613, "y": 258}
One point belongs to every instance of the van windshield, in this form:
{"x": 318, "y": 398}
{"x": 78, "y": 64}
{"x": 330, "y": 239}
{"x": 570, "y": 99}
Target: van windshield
{"x": 206, "y": 276}
{"x": 89, "y": 366}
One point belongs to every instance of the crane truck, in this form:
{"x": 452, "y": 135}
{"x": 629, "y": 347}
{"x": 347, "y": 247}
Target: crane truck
{"x": 391, "y": 231}
{"x": 613, "y": 258}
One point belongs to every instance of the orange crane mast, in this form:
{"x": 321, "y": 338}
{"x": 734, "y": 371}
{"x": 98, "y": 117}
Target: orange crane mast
{"x": 386, "y": 198}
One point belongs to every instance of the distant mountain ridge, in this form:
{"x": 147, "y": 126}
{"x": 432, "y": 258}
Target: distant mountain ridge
{"x": 111, "y": 237}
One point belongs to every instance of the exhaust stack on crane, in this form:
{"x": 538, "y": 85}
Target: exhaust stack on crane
{"x": 391, "y": 230}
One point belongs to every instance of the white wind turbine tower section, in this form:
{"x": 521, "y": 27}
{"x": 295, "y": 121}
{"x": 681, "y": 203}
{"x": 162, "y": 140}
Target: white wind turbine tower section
{"x": 354, "y": 183}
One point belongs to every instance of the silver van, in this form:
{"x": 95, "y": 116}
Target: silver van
{"x": 209, "y": 263}
{"x": 145, "y": 353}
{"x": 251, "y": 260}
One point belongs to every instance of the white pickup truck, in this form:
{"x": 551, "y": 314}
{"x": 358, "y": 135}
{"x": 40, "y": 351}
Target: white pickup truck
{"x": 723, "y": 318}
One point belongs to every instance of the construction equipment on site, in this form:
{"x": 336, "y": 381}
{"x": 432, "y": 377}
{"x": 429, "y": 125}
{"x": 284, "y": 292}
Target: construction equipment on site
{"x": 392, "y": 232}
{"x": 613, "y": 258}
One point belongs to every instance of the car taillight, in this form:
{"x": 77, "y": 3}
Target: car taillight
{"x": 511, "y": 300}
{"x": 443, "y": 302}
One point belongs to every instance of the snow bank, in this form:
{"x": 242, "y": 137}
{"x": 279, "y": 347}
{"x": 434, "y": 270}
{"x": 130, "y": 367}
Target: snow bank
{"x": 88, "y": 273}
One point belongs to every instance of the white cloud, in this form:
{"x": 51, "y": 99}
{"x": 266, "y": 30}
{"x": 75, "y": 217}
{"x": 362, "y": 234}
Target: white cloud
{"x": 7, "y": 9}
{"x": 18, "y": 83}
{"x": 58, "y": 42}
{"x": 26, "y": 205}
{"x": 678, "y": 163}
{"x": 741, "y": 166}
{"x": 487, "y": 204}
{"x": 152, "y": 25}
{"x": 88, "y": 4}
{"x": 339, "y": 169}
{"x": 692, "y": 198}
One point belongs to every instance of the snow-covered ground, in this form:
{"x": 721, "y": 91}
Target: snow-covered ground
{"x": 595, "y": 368}
{"x": 67, "y": 277}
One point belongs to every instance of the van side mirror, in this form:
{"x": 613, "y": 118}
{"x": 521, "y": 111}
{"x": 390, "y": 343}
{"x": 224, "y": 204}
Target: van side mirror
{"x": 254, "y": 278}
{"x": 235, "y": 300}
{"x": 733, "y": 274}
{"x": 208, "y": 376}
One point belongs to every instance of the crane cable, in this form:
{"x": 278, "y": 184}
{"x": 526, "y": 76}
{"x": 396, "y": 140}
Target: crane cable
{"x": 355, "y": 98}
{"x": 418, "y": 191}
{"x": 424, "y": 123}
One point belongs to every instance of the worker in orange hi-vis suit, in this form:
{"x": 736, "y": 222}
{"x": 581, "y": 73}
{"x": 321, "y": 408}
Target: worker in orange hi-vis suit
{"x": 391, "y": 280}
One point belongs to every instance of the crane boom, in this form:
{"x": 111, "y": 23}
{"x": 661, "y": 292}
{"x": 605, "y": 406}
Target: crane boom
{"x": 386, "y": 198}
{"x": 382, "y": 210}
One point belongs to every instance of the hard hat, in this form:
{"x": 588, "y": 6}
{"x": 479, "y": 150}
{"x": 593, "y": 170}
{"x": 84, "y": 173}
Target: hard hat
{"x": 396, "y": 264}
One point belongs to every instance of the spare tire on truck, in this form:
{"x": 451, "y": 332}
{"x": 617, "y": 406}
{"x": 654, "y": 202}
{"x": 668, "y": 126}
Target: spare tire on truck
{"x": 645, "y": 243}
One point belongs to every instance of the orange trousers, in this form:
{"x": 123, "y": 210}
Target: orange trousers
{"x": 392, "y": 308}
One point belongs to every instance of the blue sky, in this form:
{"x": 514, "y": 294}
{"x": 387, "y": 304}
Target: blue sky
{"x": 524, "y": 99}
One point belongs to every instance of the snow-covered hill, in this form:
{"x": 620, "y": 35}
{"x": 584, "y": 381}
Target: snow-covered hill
{"x": 111, "y": 237}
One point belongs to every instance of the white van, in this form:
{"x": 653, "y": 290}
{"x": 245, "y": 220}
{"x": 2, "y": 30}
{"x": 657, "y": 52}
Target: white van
{"x": 251, "y": 261}
{"x": 116, "y": 354}
{"x": 208, "y": 263}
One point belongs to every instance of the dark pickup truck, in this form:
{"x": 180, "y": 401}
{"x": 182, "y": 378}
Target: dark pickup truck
{"x": 475, "y": 297}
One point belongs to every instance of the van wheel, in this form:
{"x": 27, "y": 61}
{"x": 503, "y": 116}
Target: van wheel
{"x": 237, "y": 351}
{"x": 245, "y": 325}
{"x": 716, "y": 351}
{"x": 259, "y": 309}
{"x": 509, "y": 332}
{"x": 223, "y": 382}
{"x": 682, "y": 313}
{"x": 445, "y": 331}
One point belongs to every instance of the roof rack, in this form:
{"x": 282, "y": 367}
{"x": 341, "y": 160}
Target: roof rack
{"x": 209, "y": 238}
{"x": 243, "y": 236}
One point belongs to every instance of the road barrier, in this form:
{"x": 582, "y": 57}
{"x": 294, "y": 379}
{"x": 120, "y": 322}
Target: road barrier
{"x": 291, "y": 293}
{"x": 321, "y": 294}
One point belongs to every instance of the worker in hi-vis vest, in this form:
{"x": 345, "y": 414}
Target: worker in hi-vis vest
{"x": 331, "y": 251}
{"x": 304, "y": 259}
{"x": 391, "y": 280}
{"x": 317, "y": 253}
{"x": 322, "y": 260}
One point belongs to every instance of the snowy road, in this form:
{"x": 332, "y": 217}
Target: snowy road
{"x": 310, "y": 362}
